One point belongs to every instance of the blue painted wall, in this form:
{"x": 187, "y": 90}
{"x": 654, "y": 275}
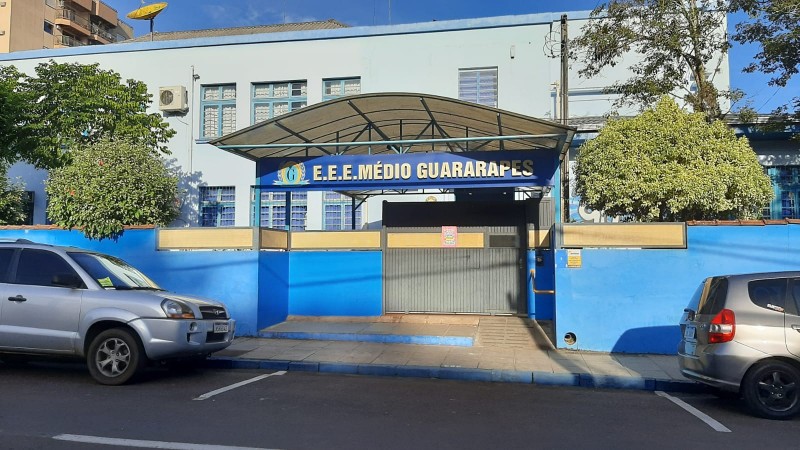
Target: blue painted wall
{"x": 336, "y": 283}
{"x": 627, "y": 300}
{"x": 541, "y": 306}
{"x": 273, "y": 288}
{"x": 230, "y": 277}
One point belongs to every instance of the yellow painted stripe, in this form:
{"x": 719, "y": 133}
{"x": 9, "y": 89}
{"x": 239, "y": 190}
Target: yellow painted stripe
{"x": 432, "y": 240}
{"x": 336, "y": 240}
{"x": 640, "y": 235}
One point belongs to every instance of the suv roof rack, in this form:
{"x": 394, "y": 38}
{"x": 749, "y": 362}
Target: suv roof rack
{"x": 17, "y": 241}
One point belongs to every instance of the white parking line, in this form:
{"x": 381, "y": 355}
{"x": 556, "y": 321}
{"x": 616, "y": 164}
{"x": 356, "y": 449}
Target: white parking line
{"x": 695, "y": 412}
{"x": 146, "y": 444}
{"x": 239, "y": 384}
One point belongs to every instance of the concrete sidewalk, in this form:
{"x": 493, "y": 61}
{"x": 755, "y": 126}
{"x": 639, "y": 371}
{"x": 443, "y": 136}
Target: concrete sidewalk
{"x": 504, "y": 349}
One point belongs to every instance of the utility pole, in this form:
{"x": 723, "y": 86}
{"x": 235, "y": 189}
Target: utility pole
{"x": 564, "y": 113}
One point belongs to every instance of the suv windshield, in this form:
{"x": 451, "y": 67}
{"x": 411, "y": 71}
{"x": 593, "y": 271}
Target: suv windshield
{"x": 111, "y": 272}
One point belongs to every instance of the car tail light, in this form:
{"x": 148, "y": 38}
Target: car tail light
{"x": 722, "y": 328}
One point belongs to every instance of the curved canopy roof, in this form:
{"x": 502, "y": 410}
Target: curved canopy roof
{"x": 394, "y": 123}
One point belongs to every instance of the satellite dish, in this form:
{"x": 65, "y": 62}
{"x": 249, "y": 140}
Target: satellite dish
{"x": 147, "y": 12}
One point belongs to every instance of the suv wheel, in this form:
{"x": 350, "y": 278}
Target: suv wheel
{"x": 772, "y": 390}
{"x": 115, "y": 356}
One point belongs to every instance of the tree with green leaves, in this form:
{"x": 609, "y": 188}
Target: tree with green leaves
{"x": 109, "y": 184}
{"x": 12, "y": 200}
{"x": 775, "y": 28}
{"x": 681, "y": 44}
{"x": 69, "y": 105}
{"x": 670, "y": 165}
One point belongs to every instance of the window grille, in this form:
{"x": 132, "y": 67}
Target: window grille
{"x": 217, "y": 206}
{"x": 275, "y": 99}
{"x": 218, "y": 109}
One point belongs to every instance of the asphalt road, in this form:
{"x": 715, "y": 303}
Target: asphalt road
{"x": 58, "y": 406}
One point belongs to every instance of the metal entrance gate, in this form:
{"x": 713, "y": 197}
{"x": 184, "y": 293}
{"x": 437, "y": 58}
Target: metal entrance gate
{"x": 484, "y": 276}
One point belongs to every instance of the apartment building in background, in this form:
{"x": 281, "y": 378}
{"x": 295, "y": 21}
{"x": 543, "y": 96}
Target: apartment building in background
{"x": 45, "y": 24}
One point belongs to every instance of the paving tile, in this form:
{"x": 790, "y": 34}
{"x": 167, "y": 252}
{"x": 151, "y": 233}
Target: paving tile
{"x": 392, "y": 358}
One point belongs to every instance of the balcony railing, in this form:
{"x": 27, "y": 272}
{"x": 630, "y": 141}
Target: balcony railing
{"x": 74, "y": 18}
{"x": 103, "y": 33}
{"x": 68, "y": 41}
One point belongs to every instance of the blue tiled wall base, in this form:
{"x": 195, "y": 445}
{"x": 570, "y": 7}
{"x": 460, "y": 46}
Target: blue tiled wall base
{"x": 453, "y": 341}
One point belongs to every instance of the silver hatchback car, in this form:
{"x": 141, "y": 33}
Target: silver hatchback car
{"x": 741, "y": 334}
{"x": 63, "y": 301}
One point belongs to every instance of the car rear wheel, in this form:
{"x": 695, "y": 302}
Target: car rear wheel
{"x": 772, "y": 390}
{"x": 115, "y": 357}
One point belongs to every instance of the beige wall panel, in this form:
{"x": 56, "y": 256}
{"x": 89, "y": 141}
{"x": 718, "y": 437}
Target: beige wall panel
{"x": 106, "y": 12}
{"x": 85, "y": 4}
{"x": 274, "y": 239}
{"x": 189, "y": 238}
{"x": 336, "y": 239}
{"x": 432, "y": 240}
{"x": 651, "y": 235}
{"x": 538, "y": 238}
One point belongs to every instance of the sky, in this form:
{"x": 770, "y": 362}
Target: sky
{"x": 204, "y": 14}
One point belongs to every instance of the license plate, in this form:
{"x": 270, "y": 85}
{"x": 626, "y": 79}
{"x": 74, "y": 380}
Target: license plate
{"x": 220, "y": 327}
{"x": 689, "y": 332}
{"x": 690, "y": 348}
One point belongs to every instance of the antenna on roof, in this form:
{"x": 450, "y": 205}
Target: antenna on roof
{"x": 147, "y": 12}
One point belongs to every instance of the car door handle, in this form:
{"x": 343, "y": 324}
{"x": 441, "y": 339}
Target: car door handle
{"x": 18, "y": 299}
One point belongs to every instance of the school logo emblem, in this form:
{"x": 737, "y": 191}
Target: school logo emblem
{"x": 291, "y": 173}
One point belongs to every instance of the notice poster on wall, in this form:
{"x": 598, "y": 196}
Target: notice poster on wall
{"x": 449, "y": 236}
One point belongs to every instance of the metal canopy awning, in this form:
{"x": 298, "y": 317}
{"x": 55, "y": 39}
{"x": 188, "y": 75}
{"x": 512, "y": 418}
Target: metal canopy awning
{"x": 394, "y": 123}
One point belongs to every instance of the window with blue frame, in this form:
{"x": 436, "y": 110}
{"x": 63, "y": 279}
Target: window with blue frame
{"x": 338, "y": 212}
{"x": 218, "y": 110}
{"x": 217, "y": 206}
{"x": 478, "y": 86}
{"x": 273, "y": 210}
{"x": 786, "y": 187}
{"x": 340, "y": 87}
{"x": 274, "y": 99}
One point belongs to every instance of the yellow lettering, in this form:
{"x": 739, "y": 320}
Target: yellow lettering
{"x": 527, "y": 168}
{"x": 405, "y": 171}
{"x": 515, "y": 168}
{"x": 445, "y": 171}
{"x": 457, "y": 166}
{"x": 469, "y": 170}
{"x": 317, "y": 173}
{"x": 422, "y": 172}
{"x": 347, "y": 172}
{"x": 492, "y": 172}
{"x": 433, "y": 170}
{"x": 505, "y": 166}
{"x": 480, "y": 169}
{"x": 364, "y": 172}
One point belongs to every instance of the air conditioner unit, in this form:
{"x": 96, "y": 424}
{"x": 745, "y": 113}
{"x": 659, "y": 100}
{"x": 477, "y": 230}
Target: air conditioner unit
{"x": 173, "y": 99}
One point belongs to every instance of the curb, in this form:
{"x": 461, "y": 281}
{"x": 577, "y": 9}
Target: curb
{"x": 466, "y": 374}
{"x": 452, "y": 341}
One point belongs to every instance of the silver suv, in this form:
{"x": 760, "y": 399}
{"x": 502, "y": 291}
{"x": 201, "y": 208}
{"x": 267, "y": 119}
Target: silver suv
{"x": 741, "y": 334}
{"x": 71, "y": 302}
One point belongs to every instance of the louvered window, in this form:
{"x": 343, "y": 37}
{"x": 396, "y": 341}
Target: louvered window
{"x": 340, "y": 87}
{"x": 218, "y": 106}
{"x": 274, "y": 99}
{"x": 478, "y": 86}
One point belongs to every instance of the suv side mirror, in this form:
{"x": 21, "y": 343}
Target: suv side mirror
{"x": 68, "y": 280}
